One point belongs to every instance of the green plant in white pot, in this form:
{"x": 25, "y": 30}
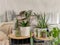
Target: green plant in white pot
{"x": 41, "y": 28}
{"x": 25, "y": 28}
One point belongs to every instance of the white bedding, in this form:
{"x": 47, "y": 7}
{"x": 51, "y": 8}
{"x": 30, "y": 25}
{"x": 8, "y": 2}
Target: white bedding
{"x": 3, "y": 34}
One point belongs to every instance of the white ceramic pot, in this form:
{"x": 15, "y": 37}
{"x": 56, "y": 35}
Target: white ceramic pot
{"x": 25, "y": 31}
{"x": 37, "y": 32}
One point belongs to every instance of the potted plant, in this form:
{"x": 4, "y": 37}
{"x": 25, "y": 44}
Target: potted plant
{"x": 41, "y": 26}
{"x": 25, "y": 24}
{"x": 55, "y": 32}
{"x": 25, "y": 28}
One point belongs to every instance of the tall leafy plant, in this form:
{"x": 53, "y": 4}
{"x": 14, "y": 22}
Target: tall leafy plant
{"x": 42, "y": 22}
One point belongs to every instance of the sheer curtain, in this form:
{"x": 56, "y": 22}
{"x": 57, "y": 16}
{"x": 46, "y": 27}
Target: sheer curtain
{"x": 53, "y": 17}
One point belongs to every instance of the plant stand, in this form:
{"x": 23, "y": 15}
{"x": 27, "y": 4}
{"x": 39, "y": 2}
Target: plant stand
{"x": 46, "y": 40}
{"x": 19, "y": 40}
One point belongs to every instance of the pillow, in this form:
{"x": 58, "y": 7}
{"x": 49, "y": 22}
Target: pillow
{"x": 7, "y": 28}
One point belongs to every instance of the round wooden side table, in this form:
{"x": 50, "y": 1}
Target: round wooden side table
{"x": 47, "y": 39}
{"x": 18, "y": 40}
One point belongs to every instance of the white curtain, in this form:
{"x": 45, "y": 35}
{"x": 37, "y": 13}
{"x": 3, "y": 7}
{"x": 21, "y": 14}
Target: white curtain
{"x": 35, "y": 5}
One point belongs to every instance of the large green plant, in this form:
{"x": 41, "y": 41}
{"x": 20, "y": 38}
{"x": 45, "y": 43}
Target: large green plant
{"x": 42, "y": 21}
{"x": 55, "y": 33}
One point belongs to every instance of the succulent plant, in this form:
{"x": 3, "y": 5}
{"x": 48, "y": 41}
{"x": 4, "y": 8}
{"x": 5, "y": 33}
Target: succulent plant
{"x": 24, "y": 23}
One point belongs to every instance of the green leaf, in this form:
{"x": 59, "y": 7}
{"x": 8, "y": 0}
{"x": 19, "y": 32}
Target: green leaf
{"x": 24, "y": 24}
{"x": 42, "y": 21}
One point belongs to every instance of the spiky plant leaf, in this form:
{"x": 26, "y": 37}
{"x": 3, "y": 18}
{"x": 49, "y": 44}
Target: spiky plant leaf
{"x": 24, "y": 23}
{"x": 42, "y": 21}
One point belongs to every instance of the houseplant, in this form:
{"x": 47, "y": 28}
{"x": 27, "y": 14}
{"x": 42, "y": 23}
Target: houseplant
{"x": 25, "y": 28}
{"x": 55, "y": 32}
{"x": 41, "y": 26}
{"x": 25, "y": 24}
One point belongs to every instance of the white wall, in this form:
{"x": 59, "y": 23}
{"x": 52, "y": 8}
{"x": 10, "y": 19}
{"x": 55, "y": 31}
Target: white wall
{"x": 36, "y": 5}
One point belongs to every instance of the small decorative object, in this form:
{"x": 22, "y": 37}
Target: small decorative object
{"x": 17, "y": 33}
{"x": 16, "y": 30}
{"x": 42, "y": 25}
{"x": 43, "y": 34}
